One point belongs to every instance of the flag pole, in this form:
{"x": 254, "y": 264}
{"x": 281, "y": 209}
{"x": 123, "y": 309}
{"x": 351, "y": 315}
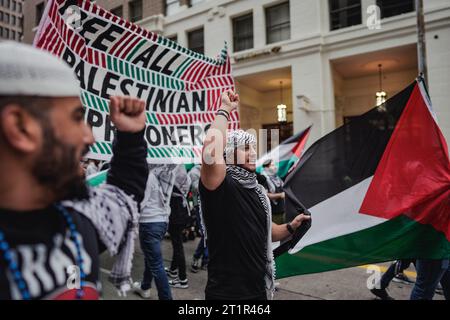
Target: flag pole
{"x": 421, "y": 45}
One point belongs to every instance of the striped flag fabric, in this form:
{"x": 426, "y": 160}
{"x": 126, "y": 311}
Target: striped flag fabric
{"x": 112, "y": 56}
{"x": 287, "y": 154}
{"x": 377, "y": 188}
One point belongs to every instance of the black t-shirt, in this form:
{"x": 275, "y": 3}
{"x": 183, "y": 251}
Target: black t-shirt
{"x": 236, "y": 229}
{"x": 40, "y": 241}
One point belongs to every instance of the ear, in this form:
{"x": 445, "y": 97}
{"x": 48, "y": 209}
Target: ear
{"x": 21, "y": 131}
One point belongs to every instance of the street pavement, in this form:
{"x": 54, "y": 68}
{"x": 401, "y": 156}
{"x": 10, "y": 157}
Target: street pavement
{"x": 346, "y": 284}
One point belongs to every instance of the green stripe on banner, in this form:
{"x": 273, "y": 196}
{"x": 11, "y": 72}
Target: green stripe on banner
{"x": 93, "y": 103}
{"x": 159, "y": 152}
{"x": 153, "y": 78}
{"x": 127, "y": 69}
{"x": 121, "y": 69}
{"x": 398, "y": 236}
{"x": 99, "y": 103}
{"x": 107, "y": 147}
{"x": 116, "y": 68}
{"x": 99, "y": 146}
{"x": 109, "y": 62}
{"x": 177, "y": 71}
{"x": 155, "y": 118}
{"x": 136, "y": 48}
{"x": 93, "y": 148}
{"x": 133, "y": 71}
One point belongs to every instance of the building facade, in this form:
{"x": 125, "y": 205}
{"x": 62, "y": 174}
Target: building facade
{"x": 11, "y": 20}
{"x": 324, "y": 59}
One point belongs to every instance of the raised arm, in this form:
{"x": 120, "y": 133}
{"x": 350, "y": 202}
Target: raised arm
{"x": 129, "y": 170}
{"x": 213, "y": 164}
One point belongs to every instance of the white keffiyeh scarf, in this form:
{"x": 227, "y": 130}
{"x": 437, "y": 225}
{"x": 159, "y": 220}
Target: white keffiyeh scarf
{"x": 248, "y": 180}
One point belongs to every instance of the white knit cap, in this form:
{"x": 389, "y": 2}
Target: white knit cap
{"x": 28, "y": 71}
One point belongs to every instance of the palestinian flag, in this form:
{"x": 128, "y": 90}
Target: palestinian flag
{"x": 288, "y": 153}
{"x": 378, "y": 189}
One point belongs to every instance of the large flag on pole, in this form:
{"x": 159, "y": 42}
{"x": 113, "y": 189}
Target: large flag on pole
{"x": 112, "y": 56}
{"x": 287, "y": 154}
{"x": 377, "y": 188}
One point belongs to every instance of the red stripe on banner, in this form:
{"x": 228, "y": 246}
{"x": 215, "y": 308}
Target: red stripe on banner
{"x": 119, "y": 43}
{"x": 196, "y": 72}
{"x": 79, "y": 46}
{"x": 96, "y": 58}
{"x": 57, "y": 49}
{"x": 203, "y": 72}
{"x": 200, "y": 70}
{"x": 160, "y": 120}
{"x": 86, "y": 5}
{"x": 52, "y": 41}
{"x": 103, "y": 56}
{"x": 108, "y": 15}
{"x": 131, "y": 46}
{"x": 61, "y": 48}
{"x": 43, "y": 37}
{"x": 187, "y": 74}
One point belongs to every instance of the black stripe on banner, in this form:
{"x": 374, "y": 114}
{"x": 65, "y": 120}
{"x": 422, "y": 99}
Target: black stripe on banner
{"x": 346, "y": 156}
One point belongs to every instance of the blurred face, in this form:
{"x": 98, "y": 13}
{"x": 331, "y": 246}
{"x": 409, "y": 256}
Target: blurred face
{"x": 272, "y": 167}
{"x": 246, "y": 157}
{"x": 65, "y": 139}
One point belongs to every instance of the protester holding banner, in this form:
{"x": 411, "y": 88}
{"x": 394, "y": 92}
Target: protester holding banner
{"x": 49, "y": 248}
{"x": 237, "y": 214}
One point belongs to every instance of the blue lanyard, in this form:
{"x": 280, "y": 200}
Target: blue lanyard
{"x": 17, "y": 274}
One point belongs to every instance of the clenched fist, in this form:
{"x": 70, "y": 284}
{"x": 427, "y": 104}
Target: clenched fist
{"x": 127, "y": 113}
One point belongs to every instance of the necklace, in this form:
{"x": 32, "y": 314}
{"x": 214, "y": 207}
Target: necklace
{"x": 17, "y": 274}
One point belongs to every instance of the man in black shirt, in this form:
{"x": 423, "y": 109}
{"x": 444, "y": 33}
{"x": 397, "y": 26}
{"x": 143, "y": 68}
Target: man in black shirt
{"x": 52, "y": 227}
{"x": 237, "y": 216}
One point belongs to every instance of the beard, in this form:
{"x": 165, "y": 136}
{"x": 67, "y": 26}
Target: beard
{"x": 57, "y": 168}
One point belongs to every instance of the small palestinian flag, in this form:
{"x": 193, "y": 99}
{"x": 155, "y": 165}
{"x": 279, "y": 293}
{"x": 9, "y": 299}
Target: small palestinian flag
{"x": 288, "y": 153}
{"x": 377, "y": 188}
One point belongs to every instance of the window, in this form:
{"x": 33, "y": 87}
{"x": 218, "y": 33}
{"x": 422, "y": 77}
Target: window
{"x": 39, "y": 12}
{"x": 135, "y": 10}
{"x": 13, "y": 8}
{"x": 13, "y": 35}
{"x": 344, "y": 13}
{"x": 19, "y": 6}
{"x": 13, "y": 20}
{"x": 1, "y": 32}
{"x": 391, "y": 8}
{"x": 6, "y": 34}
{"x": 243, "y": 32}
{"x": 117, "y": 11}
{"x": 278, "y": 24}
{"x": 6, "y": 17}
{"x": 196, "y": 41}
{"x": 7, "y": 3}
{"x": 1, "y": 17}
{"x": 172, "y": 7}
